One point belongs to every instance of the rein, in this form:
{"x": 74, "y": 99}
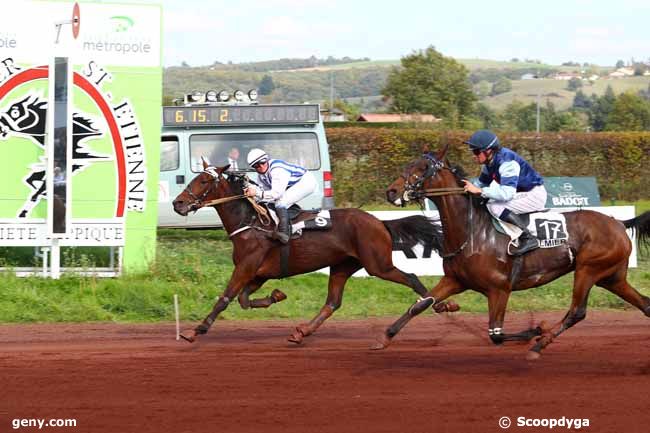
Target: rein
{"x": 432, "y": 192}
{"x": 261, "y": 211}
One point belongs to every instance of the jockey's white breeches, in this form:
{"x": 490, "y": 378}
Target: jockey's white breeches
{"x": 523, "y": 202}
{"x": 305, "y": 186}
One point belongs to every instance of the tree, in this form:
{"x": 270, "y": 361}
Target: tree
{"x": 520, "y": 117}
{"x": 601, "y": 108}
{"x": 488, "y": 117}
{"x": 630, "y": 112}
{"x": 503, "y": 85}
{"x": 482, "y": 89}
{"x": 430, "y": 83}
{"x": 266, "y": 86}
{"x": 574, "y": 84}
{"x": 620, "y": 64}
{"x": 581, "y": 101}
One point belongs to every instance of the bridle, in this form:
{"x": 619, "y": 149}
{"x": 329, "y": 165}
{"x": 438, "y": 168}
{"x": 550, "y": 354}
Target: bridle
{"x": 415, "y": 191}
{"x": 216, "y": 178}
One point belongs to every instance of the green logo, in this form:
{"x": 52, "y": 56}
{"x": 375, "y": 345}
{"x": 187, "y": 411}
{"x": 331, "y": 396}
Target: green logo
{"x": 121, "y": 23}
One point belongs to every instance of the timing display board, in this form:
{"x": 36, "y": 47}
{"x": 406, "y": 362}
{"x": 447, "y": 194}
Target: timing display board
{"x": 240, "y": 115}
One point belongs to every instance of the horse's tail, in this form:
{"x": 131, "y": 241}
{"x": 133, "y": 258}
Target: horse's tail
{"x": 416, "y": 229}
{"x": 641, "y": 226}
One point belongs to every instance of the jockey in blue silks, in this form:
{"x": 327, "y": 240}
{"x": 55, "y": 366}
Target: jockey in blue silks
{"x": 511, "y": 184}
{"x": 282, "y": 183}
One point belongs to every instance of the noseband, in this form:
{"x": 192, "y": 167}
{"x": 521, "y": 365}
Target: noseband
{"x": 198, "y": 201}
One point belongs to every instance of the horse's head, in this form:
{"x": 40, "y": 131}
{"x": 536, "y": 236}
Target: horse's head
{"x": 212, "y": 183}
{"x": 426, "y": 172}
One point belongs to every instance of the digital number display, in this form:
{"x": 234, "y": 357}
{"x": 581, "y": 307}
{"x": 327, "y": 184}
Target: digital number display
{"x": 240, "y": 115}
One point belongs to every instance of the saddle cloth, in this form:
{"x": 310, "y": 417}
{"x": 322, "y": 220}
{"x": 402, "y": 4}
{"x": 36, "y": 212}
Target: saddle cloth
{"x": 548, "y": 227}
{"x": 315, "y": 221}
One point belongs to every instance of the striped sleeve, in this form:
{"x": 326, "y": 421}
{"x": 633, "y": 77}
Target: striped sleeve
{"x": 484, "y": 178}
{"x": 506, "y": 189}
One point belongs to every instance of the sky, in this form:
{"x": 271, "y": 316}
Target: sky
{"x": 200, "y": 32}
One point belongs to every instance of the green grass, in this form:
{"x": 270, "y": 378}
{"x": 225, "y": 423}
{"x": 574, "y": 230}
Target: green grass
{"x": 555, "y": 91}
{"x": 196, "y": 264}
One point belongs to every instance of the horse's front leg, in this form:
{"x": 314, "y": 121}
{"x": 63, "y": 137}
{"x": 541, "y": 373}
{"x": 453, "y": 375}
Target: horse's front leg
{"x": 339, "y": 275}
{"x": 242, "y": 275}
{"x": 446, "y": 287}
{"x": 244, "y": 297}
{"x": 497, "y": 303}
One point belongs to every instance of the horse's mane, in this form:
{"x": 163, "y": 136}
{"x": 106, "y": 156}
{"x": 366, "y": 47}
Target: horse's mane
{"x": 242, "y": 208}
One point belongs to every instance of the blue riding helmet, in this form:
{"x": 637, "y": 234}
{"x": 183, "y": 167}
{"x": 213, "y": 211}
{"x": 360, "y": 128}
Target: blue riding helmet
{"x": 483, "y": 140}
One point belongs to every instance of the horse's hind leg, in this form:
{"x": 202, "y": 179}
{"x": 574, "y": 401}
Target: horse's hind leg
{"x": 446, "y": 287}
{"x": 339, "y": 275}
{"x": 618, "y": 285}
{"x": 584, "y": 279}
{"x": 252, "y": 287}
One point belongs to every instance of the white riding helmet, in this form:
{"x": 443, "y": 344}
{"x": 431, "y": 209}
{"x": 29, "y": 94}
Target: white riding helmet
{"x": 256, "y": 156}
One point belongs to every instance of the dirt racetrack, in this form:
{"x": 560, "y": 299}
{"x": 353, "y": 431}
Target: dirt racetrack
{"x": 440, "y": 375}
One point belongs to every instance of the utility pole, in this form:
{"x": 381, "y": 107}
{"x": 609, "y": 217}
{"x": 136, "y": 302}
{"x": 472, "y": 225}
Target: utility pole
{"x": 538, "y": 97}
{"x": 331, "y": 91}
{"x": 537, "y": 129}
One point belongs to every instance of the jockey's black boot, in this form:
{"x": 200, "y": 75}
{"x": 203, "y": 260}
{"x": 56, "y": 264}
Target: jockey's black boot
{"x": 283, "y": 232}
{"x": 527, "y": 242}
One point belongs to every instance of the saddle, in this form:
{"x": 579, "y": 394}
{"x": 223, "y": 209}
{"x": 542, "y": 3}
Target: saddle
{"x": 301, "y": 219}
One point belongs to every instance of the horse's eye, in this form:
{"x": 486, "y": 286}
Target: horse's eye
{"x": 203, "y": 182}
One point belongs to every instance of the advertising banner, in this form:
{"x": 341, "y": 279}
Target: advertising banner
{"x": 80, "y": 98}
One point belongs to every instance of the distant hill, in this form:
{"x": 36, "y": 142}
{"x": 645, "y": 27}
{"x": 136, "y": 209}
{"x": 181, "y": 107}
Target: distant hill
{"x": 360, "y": 81}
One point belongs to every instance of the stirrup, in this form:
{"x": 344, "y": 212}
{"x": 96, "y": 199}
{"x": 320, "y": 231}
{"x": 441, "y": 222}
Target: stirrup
{"x": 523, "y": 248}
{"x": 281, "y": 236}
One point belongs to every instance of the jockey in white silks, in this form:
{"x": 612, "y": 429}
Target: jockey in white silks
{"x": 282, "y": 183}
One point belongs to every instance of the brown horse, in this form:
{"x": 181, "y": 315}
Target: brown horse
{"x": 475, "y": 253}
{"x": 355, "y": 240}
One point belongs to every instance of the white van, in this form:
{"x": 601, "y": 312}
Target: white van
{"x": 223, "y": 129}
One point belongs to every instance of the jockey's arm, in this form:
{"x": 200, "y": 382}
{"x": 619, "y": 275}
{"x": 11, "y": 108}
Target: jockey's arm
{"x": 504, "y": 191}
{"x": 483, "y": 179}
{"x": 279, "y": 182}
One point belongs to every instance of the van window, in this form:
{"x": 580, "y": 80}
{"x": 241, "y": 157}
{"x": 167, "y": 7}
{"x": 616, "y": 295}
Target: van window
{"x": 296, "y": 147}
{"x": 169, "y": 153}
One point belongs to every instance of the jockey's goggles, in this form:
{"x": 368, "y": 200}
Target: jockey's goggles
{"x": 259, "y": 163}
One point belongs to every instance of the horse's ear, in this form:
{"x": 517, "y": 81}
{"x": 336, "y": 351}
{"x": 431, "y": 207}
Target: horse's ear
{"x": 223, "y": 169}
{"x": 442, "y": 153}
{"x": 205, "y": 162}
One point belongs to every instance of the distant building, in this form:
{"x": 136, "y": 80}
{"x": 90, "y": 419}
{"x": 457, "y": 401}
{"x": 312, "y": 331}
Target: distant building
{"x": 622, "y": 72}
{"x": 566, "y": 76}
{"x": 391, "y": 118}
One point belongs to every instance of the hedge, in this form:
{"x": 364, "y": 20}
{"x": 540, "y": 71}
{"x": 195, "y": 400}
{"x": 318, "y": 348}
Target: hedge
{"x": 365, "y": 160}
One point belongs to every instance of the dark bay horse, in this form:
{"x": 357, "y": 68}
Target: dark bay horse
{"x": 475, "y": 255}
{"x": 355, "y": 240}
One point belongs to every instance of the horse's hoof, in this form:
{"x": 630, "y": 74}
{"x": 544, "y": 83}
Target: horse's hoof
{"x": 381, "y": 343}
{"x": 278, "y": 295}
{"x": 452, "y": 306}
{"x": 533, "y": 356}
{"x": 189, "y": 336}
{"x": 446, "y": 307}
{"x": 296, "y": 337}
